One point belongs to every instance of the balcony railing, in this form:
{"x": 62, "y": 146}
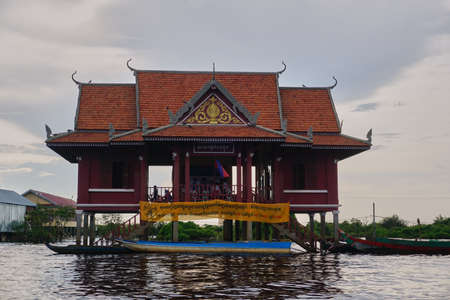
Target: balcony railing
{"x": 199, "y": 192}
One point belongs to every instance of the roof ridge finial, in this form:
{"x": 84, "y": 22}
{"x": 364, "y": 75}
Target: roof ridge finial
{"x": 74, "y": 80}
{"x": 369, "y": 136}
{"x": 130, "y": 67}
{"x": 48, "y": 131}
{"x": 335, "y": 83}
{"x": 284, "y": 68}
{"x": 214, "y": 72}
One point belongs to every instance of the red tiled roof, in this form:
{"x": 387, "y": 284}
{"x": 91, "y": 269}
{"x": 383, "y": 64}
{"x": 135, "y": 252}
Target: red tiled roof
{"x": 295, "y": 140}
{"x": 82, "y": 137}
{"x": 132, "y": 137}
{"x": 308, "y": 107}
{"x": 214, "y": 132}
{"x": 159, "y": 90}
{"x": 101, "y": 105}
{"x": 337, "y": 140}
{"x": 53, "y": 199}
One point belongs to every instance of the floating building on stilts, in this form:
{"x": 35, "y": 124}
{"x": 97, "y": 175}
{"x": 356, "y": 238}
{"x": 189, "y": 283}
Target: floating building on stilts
{"x": 282, "y": 145}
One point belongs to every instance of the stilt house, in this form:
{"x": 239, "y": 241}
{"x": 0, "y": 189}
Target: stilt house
{"x": 202, "y": 124}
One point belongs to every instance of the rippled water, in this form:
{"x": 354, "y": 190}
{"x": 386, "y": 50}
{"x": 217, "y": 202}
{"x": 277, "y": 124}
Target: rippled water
{"x": 34, "y": 272}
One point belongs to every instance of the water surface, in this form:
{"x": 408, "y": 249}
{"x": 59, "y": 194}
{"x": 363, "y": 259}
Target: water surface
{"x": 34, "y": 272}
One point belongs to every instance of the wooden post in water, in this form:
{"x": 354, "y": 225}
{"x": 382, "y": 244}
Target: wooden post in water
{"x": 249, "y": 192}
{"x": 176, "y": 191}
{"x": 275, "y": 233}
{"x": 228, "y": 230}
{"x": 374, "y": 235}
{"x": 237, "y": 230}
{"x": 311, "y": 230}
{"x": 266, "y": 231}
{"x": 322, "y": 232}
{"x": 92, "y": 229}
{"x": 258, "y": 231}
{"x": 85, "y": 228}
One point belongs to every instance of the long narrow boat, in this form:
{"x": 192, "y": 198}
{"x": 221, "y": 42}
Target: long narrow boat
{"x": 401, "y": 246}
{"x": 253, "y": 247}
{"x": 75, "y": 249}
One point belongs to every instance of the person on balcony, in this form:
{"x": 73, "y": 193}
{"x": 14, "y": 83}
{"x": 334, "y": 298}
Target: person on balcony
{"x": 168, "y": 196}
{"x": 155, "y": 193}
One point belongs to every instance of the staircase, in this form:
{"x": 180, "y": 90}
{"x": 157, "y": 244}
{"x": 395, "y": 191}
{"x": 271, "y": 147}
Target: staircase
{"x": 127, "y": 230}
{"x": 298, "y": 233}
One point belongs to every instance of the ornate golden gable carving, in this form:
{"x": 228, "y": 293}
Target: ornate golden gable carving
{"x": 213, "y": 111}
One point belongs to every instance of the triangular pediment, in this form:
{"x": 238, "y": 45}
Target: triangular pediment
{"x": 213, "y": 111}
{"x": 213, "y": 105}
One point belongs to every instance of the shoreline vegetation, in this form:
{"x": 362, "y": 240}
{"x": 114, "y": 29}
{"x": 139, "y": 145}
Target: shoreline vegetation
{"x": 395, "y": 227}
{"x": 43, "y": 224}
{"x": 48, "y": 224}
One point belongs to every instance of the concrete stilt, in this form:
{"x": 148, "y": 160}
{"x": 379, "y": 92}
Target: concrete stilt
{"x": 92, "y": 229}
{"x": 175, "y": 231}
{"x": 311, "y": 230}
{"x": 336, "y": 225}
{"x": 78, "y": 218}
{"x": 85, "y": 228}
{"x": 322, "y": 232}
{"x": 249, "y": 230}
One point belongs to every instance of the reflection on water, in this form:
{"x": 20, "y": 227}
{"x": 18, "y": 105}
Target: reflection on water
{"x": 33, "y": 271}
{"x": 205, "y": 276}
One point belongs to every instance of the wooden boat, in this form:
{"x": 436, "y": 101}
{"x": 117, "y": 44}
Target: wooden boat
{"x": 401, "y": 246}
{"x": 251, "y": 247}
{"x": 75, "y": 249}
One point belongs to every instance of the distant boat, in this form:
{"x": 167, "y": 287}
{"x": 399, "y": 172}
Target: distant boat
{"x": 401, "y": 246}
{"x": 251, "y": 247}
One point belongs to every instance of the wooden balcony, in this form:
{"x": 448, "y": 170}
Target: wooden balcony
{"x": 109, "y": 199}
{"x": 309, "y": 200}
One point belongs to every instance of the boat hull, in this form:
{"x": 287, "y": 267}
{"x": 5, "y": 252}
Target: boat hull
{"x": 75, "y": 249}
{"x": 211, "y": 248}
{"x": 386, "y": 245}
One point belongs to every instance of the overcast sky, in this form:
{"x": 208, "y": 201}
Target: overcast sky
{"x": 391, "y": 58}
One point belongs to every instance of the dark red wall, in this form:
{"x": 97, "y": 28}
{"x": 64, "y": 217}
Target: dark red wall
{"x": 320, "y": 174}
{"x": 95, "y": 171}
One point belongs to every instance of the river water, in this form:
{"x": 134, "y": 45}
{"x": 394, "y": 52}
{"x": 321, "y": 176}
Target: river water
{"x": 34, "y": 272}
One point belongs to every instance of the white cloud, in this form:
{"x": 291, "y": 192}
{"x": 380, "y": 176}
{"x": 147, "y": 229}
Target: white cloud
{"x": 45, "y": 174}
{"x": 15, "y": 171}
{"x": 15, "y": 135}
{"x": 412, "y": 166}
{"x": 20, "y": 147}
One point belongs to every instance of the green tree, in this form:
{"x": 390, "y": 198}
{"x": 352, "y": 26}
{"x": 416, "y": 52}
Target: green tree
{"x": 392, "y": 222}
{"x": 44, "y": 224}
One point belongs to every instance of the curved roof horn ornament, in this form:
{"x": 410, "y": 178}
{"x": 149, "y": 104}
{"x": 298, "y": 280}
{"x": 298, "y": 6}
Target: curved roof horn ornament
{"x": 74, "y": 80}
{"x": 130, "y": 67}
{"x": 284, "y": 68}
{"x": 335, "y": 83}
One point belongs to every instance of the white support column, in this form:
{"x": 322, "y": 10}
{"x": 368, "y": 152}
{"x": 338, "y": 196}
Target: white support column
{"x": 78, "y": 216}
{"x": 249, "y": 230}
{"x": 336, "y": 225}
{"x": 174, "y": 231}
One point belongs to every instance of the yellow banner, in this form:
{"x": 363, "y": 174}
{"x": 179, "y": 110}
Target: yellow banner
{"x": 175, "y": 211}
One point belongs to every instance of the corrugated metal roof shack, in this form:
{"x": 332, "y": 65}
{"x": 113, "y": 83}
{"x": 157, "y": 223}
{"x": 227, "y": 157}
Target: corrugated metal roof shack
{"x": 12, "y": 208}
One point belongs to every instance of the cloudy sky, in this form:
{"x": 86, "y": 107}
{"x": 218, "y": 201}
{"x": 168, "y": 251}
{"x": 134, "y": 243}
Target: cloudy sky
{"x": 391, "y": 58}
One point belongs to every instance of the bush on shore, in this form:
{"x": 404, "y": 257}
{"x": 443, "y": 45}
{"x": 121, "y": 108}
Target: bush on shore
{"x": 398, "y": 228}
{"x": 43, "y": 224}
